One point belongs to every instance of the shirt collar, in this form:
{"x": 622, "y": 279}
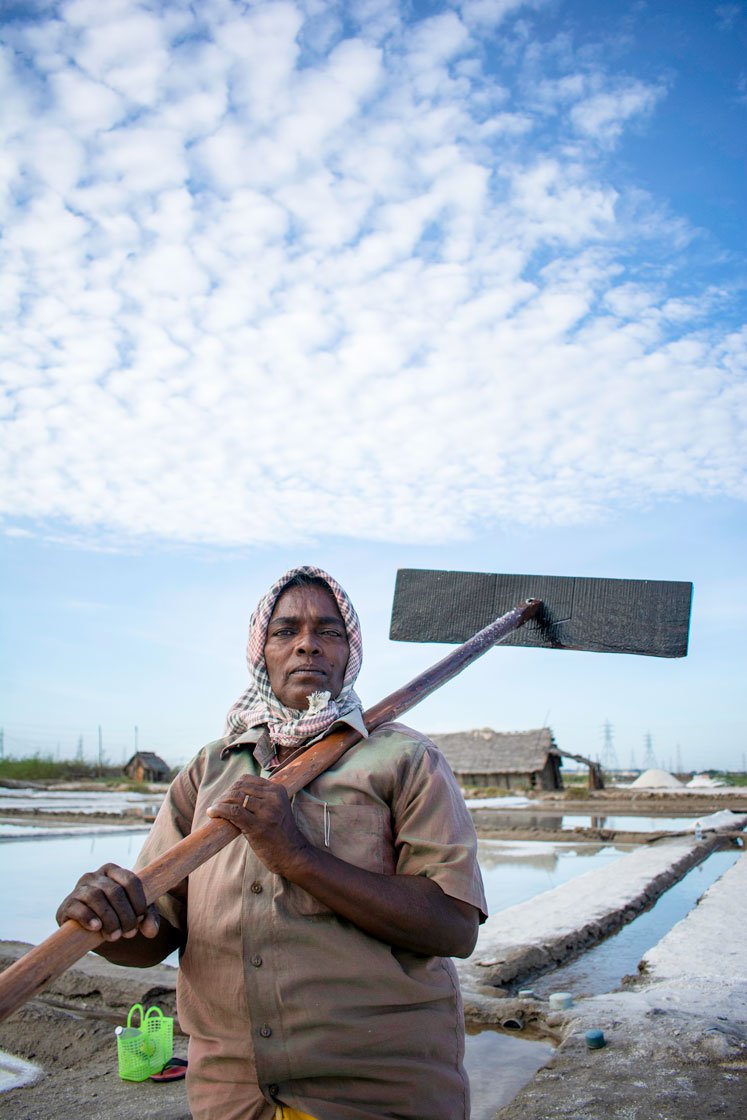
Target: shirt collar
{"x": 263, "y": 750}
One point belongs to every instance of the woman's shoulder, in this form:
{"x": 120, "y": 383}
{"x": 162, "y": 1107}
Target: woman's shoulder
{"x": 405, "y": 747}
{"x": 193, "y": 773}
{"x": 401, "y": 734}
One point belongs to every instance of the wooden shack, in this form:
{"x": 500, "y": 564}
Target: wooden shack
{"x": 517, "y": 760}
{"x": 145, "y": 766}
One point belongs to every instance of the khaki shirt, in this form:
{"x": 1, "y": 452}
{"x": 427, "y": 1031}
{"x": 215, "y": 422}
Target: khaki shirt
{"x": 283, "y": 1000}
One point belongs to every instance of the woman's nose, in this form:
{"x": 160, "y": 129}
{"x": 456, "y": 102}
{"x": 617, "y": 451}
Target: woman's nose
{"x": 308, "y": 641}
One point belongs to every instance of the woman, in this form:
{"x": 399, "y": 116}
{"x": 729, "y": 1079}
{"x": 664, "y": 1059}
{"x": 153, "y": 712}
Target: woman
{"x": 314, "y": 978}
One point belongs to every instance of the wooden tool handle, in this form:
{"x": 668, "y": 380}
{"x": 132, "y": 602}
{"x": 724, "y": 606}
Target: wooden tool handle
{"x": 42, "y": 964}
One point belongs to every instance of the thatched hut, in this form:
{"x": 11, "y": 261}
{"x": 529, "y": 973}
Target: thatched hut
{"x": 505, "y": 759}
{"x": 145, "y": 766}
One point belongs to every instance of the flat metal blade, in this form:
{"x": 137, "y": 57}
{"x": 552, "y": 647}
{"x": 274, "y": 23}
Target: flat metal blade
{"x": 648, "y": 617}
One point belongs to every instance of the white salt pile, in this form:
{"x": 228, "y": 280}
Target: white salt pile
{"x": 656, "y": 779}
{"x": 704, "y": 781}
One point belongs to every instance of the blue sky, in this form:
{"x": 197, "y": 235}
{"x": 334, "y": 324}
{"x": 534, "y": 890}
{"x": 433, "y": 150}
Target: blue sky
{"x": 370, "y": 285}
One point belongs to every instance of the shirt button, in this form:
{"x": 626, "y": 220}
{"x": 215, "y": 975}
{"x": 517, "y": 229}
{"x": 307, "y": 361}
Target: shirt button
{"x": 273, "y": 1090}
{"x": 256, "y": 887}
{"x": 256, "y": 960}
{"x": 265, "y": 1030}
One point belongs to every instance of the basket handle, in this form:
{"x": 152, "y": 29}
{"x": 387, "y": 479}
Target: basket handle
{"x": 136, "y": 1007}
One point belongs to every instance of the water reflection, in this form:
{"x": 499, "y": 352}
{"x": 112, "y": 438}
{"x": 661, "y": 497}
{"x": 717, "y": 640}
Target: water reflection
{"x": 515, "y": 871}
{"x": 602, "y": 968}
{"x": 35, "y": 874}
{"x": 499, "y": 1065}
{"x": 565, "y": 822}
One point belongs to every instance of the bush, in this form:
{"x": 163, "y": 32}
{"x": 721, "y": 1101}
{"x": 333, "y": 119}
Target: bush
{"x": 41, "y": 768}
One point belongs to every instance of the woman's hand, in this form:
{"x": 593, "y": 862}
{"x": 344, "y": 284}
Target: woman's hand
{"x": 262, "y": 811}
{"x": 408, "y": 911}
{"x": 110, "y": 900}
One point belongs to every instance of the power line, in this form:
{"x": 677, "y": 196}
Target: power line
{"x": 86, "y": 744}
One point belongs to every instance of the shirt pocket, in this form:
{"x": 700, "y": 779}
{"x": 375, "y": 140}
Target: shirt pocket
{"x": 358, "y": 834}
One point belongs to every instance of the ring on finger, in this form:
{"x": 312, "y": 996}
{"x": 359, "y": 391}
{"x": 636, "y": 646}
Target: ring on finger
{"x": 245, "y": 802}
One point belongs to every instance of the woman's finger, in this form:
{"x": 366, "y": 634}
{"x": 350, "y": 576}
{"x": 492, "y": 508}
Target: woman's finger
{"x": 129, "y": 882}
{"x": 111, "y": 900}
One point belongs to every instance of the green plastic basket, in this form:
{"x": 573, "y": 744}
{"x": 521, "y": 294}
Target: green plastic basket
{"x": 144, "y": 1050}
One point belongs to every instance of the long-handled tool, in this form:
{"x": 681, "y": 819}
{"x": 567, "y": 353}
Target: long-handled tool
{"x": 42, "y": 964}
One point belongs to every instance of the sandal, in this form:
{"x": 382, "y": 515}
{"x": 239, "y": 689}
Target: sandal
{"x": 174, "y": 1070}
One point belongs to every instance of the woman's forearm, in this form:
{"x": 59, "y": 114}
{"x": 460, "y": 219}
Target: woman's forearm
{"x": 406, "y": 911}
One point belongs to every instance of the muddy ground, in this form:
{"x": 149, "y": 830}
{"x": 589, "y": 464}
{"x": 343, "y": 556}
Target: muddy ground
{"x": 69, "y": 1032}
{"x": 669, "y": 1056}
{"x": 657, "y": 1065}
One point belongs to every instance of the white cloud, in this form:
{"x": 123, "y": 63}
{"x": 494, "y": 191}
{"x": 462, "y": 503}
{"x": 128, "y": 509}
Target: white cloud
{"x": 121, "y": 45}
{"x": 491, "y": 13}
{"x": 555, "y": 202}
{"x": 603, "y": 115}
{"x": 46, "y": 225}
{"x": 436, "y": 40}
{"x": 268, "y": 283}
{"x": 261, "y": 51}
{"x": 87, "y": 106}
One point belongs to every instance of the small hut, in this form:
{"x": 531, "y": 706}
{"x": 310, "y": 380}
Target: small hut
{"x": 505, "y": 759}
{"x": 145, "y": 766}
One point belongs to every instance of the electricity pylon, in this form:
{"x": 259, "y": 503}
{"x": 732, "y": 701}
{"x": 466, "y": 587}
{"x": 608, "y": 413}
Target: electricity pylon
{"x": 609, "y": 757}
{"x": 649, "y": 758}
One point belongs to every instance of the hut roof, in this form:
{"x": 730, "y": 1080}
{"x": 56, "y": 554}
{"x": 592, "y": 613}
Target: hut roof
{"x": 151, "y": 760}
{"x": 484, "y": 751}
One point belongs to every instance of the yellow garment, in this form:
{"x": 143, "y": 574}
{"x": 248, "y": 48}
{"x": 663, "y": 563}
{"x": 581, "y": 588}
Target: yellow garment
{"x": 283, "y": 1113}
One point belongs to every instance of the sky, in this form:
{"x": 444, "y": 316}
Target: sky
{"x": 368, "y": 285}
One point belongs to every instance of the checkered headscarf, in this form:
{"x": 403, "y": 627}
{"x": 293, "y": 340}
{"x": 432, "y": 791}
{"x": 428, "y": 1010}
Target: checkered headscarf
{"x": 258, "y": 703}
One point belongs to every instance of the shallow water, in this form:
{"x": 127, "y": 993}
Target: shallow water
{"x": 37, "y": 872}
{"x": 499, "y": 1065}
{"x": 602, "y": 968}
{"x": 625, "y": 823}
{"x": 515, "y": 871}
{"x": 554, "y": 822}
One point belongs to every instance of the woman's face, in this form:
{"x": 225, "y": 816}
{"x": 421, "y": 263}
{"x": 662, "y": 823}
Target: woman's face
{"x": 306, "y": 649}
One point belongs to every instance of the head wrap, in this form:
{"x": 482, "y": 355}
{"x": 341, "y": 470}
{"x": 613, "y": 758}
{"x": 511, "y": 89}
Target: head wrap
{"x": 258, "y": 704}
